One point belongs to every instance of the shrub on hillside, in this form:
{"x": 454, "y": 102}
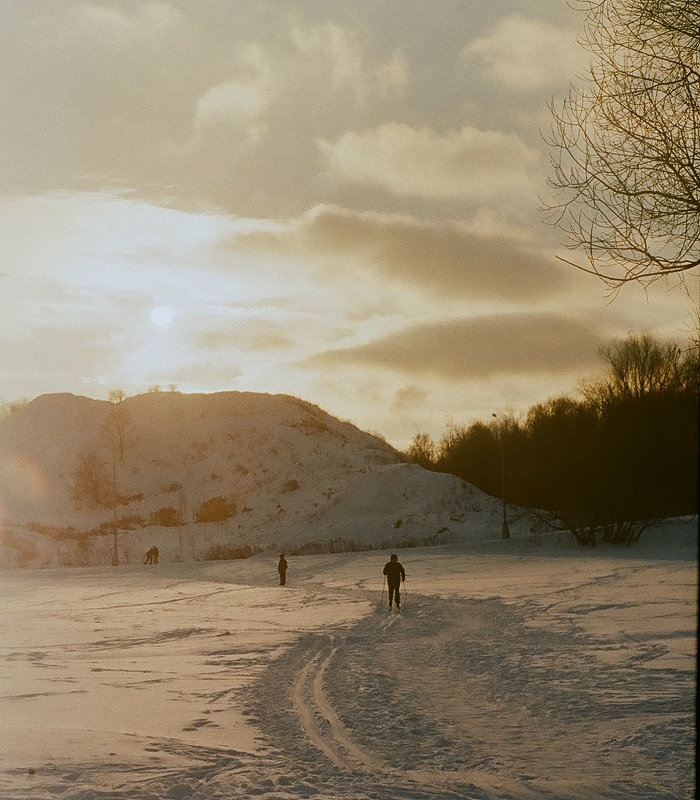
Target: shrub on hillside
{"x": 215, "y": 509}
{"x": 130, "y": 522}
{"x": 167, "y": 517}
{"x": 222, "y": 552}
{"x": 342, "y": 545}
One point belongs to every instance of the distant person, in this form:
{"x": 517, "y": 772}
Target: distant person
{"x": 282, "y": 569}
{"x": 152, "y": 555}
{"x": 395, "y": 573}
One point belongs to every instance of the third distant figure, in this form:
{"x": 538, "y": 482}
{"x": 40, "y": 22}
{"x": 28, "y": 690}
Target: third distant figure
{"x": 395, "y": 573}
{"x": 282, "y": 569}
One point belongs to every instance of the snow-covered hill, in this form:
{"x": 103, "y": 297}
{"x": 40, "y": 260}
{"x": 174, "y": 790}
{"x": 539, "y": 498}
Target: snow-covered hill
{"x": 297, "y": 477}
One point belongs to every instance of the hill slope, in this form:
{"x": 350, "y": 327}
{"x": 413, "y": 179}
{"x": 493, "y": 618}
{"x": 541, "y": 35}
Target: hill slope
{"x": 171, "y": 466}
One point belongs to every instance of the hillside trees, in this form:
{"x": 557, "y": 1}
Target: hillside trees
{"x": 647, "y": 410}
{"x": 92, "y": 483}
{"x": 422, "y": 450}
{"x": 625, "y": 144}
{"x": 604, "y": 466}
{"x": 91, "y": 486}
{"x": 560, "y": 435}
{"x": 472, "y": 454}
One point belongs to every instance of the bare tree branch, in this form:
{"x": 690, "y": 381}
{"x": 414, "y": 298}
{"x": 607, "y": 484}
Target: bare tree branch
{"x": 625, "y": 143}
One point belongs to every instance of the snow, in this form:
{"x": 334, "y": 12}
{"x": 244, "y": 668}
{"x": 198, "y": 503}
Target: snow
{"x": 299, "y": 477}
{"x": 526, "y": 668}
{"x": 296, "y": 474}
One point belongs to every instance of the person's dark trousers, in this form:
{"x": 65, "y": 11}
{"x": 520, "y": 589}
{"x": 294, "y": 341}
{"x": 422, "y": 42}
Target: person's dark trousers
{"x": 283, "y": 579}
{"x": 394, "y": 594}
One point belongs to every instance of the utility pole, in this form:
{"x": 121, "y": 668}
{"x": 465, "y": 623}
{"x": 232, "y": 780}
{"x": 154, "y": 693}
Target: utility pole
{"x": 115, "y": 530}
{"x": 505, "y": 531}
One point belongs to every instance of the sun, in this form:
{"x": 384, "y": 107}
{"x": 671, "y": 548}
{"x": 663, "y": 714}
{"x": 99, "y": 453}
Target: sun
{"x": 161, "y": 315}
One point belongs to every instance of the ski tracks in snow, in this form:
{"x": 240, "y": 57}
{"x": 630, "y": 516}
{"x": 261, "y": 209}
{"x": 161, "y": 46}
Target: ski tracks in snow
{"x": 334, "y": 704}
{"x": 320, "y": 722}
{"x": 461, "y": 699}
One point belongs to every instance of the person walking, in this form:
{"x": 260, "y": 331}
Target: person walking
{"x": 395, "y": 574}
{"x": 282, "y": 569}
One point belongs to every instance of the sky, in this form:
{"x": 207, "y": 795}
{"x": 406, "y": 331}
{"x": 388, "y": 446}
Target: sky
{"x": 337, "y": 201}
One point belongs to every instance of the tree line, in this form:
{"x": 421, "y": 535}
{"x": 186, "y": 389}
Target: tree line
{"x": 602, "y": 466}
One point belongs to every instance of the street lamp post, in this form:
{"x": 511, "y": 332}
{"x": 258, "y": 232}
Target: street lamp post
{"x": 505, "y": 531}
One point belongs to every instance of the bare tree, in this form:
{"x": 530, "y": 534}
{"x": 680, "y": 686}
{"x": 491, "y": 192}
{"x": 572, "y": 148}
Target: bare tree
{"x": 118, "y": 424}
{"x": 625, "y": 144}
{"x": 639, "y": 365}
{"x": 422, "y": 450}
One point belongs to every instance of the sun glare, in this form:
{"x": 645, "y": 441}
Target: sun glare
{"x": 161, "y": 315}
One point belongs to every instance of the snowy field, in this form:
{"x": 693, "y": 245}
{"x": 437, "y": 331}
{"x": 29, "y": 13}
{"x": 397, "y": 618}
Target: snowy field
{"x": 515, "y": 670}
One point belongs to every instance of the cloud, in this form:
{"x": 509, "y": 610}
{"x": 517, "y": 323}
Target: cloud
{"x": 410, "y": 397}
{"x": 91, "y": 92}
{"x": 254, "y": 335}
{"x": 479, "y": 347}
{"x": 245, "y": 98}
{"x": 236, "y": 103}
{"x": 394, "y": 74}
{"x": 468, "y": 163}
{"x": 443, "y": 260}
{"x": 262, "y": 112}
{"x": 57, "y": 354}
{"x": 526, "y": 55}
{"x": 145, "y": 20}
{"x": 339, "y": 54}
{"x": 338, "y": 50}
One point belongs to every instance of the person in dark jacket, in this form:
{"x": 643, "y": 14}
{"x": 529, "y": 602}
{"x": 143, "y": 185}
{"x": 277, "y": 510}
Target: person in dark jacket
{"x": 395, "y": 573}
{"x": 282, "y": 569}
